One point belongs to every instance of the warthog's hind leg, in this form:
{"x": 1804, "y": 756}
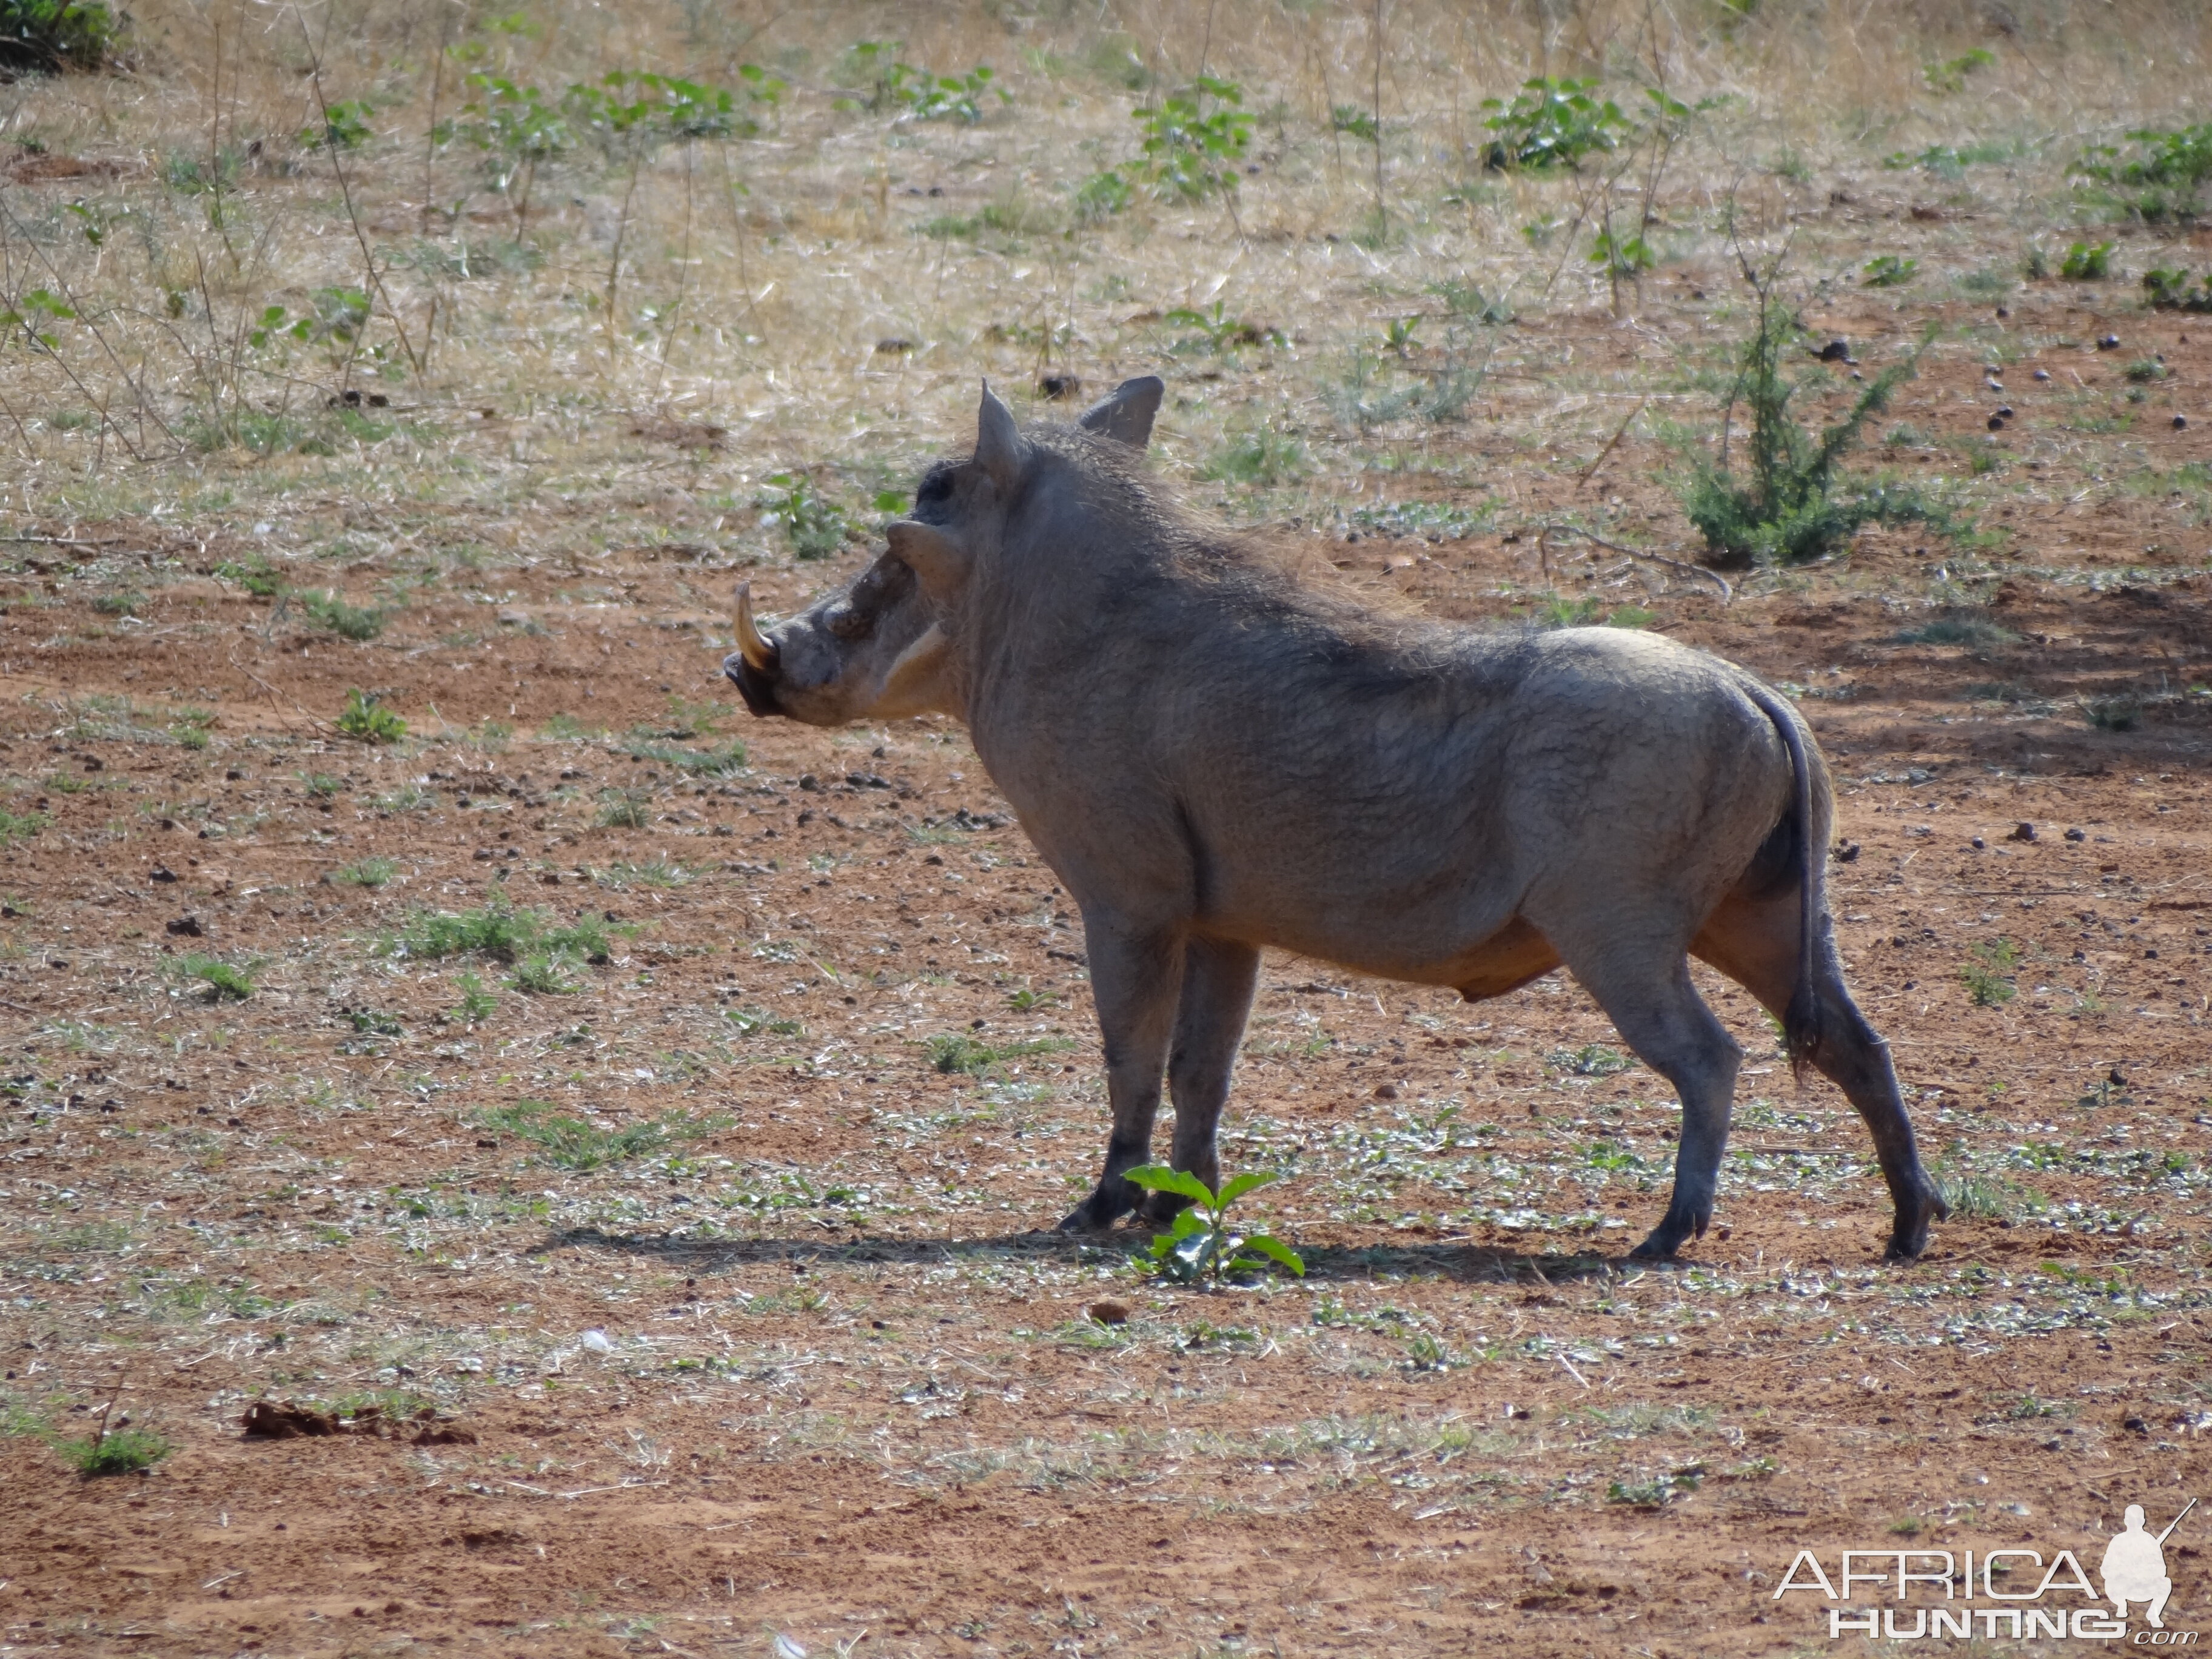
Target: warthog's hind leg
{"x": 1661, "y": 1016}
{"x": 1217, "y": 980}
{"x": 1135, "y": 978}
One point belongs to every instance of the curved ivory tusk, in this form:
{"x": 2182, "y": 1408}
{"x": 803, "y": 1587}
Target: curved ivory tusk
{"x": 757, "y": 651}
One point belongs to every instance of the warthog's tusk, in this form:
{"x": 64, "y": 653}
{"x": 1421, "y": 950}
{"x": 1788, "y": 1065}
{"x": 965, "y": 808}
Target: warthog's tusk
{"x": 758, "y": 653}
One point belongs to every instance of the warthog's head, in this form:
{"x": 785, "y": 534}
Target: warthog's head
{"x": 887, "y": 644}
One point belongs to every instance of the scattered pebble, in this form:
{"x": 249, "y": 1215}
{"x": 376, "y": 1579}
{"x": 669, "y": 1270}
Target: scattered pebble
{"x": 1109, "y": 1311}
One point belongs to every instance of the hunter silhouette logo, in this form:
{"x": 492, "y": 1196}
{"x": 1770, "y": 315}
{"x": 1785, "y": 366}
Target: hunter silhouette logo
{"x": 2134, "y": 1567}
{"x": 1908, "y": 1595}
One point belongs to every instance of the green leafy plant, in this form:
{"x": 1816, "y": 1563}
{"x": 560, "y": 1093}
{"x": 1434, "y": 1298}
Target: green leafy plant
{"x": 1186, "y": 152}
{"x": 1657, "y": 1491}
{"x": 366, "y": 717}
{"x": 226, "y": 981}
{"x": 368, "y": 872}
{"x": 624, "y": 808}
{"x": 1101, "y": 196}
{"x": 1352, "y": 119}
{"x": 1201, "y": 1244}
{"x": 960, "y": 1053}
{"x": 1621, "y": 257}
{"x": 1972, "y": 627}
{"x": 1888, "y": 270}
{"x": 2167, "y": 288}
{"x": 20, "y": 826}
{"x": 894, "y": 84}
{"x": 1550, "y": 124}
{"x": 1988, "y": 977}
{"x": 255, "y": 575}
{"x": 815, "y": 526}
{"x": 2087, "y": 262}
{"x": 2155, "y": 174}
{"x": 519, "y": 131}
{"x": 1261, "y": 456}
{"x": 344, "y": 126}
{"x": 1217, "y": 330}
{"x": 476, "y": 1002}
{"x": 48, "y": 36}
{"x": 1788, "y": 509}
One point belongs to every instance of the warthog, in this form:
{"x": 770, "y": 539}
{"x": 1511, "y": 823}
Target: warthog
{"x": 1214, "y": 758}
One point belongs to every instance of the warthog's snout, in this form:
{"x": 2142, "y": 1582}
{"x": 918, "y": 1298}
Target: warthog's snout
{"x": 752, "y": 668}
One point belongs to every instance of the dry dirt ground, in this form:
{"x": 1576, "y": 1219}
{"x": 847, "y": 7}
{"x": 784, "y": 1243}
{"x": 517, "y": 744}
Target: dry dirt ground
{"x": 797, "y": 1357}
{"x": 638, "y": 1135}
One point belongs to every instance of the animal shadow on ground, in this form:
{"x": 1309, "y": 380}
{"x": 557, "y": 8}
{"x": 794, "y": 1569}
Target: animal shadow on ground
{"x": 1463, "y": 1263}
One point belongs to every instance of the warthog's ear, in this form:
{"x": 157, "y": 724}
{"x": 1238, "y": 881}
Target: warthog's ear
{"x": 1000, "y": 449}
{"x": 1127, "y": 412}
{"x": 938, "y": 562}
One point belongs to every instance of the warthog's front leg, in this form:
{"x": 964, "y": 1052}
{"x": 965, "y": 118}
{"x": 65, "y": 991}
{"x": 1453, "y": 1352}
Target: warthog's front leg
{"x": 1135, "y": 977}
{"x": 1218, "y": 980}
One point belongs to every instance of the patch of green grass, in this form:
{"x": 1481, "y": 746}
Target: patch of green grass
{"x": 129, "y": 1450}
{"x": 624, "y": 808}
{"x": 653, "y": 872}
{"x": 374, "y": 1021}
{"x": 226, "y": 981}
{"x": 123, "y": 602}
{"x": 726, "y": 762}
{"x": 577, "y": 1145}
{"x": 368, "y": 872}
{"x": 1990, "y": 1198}
{"x": 348, "y": 621}
{"x": 543, "y": 973}
{"x": 499, "y": 933}
{"x": 565, "y": 728}
{"x": 256, "y": 575}
{"x": 1557, "y": 612}
{"x": 2155, "y": 173}
{"x": 2123, "y": 713}
{"x": 1261, "y": 456}
{"x": 1973, "y": 628}
{"x": 2145, "y": 370}
{"x": 1655, "y": 1491}
{"x": 20, "y": 826}
{"x": 1888, "y": 270}
{"x": 2166, "y": 288}
{"x": 366, "y": 717}
{"x": 1592, "y": 1060}
{"x": 958, "y": 1052}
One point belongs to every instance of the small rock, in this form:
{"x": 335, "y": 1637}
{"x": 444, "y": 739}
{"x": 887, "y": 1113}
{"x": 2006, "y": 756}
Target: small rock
{"x": 1997, "y": 422}
{"x": 1109, "y": 1311}
{"x": 1836, "y": 351}
{"x": 1978, "y": 843}
{"x": 1386, "y": 1091}
{"x": 1847, "y": 851}
{"x": 598, "y": 1341}
{"x": 1058, "y": 387}
{"x": 2076, "y": 834}
{"x": 186, "y": 927}
{"x": 2110, "y": 343}
{"x": 894, "y": 345}
{"x": 2042, "y": 373}
{"x": 162, "y": 872}
{"x": 2181, "y": 424}
{"x": 2022, "y": 832}
{"x": 2005, "y": 413}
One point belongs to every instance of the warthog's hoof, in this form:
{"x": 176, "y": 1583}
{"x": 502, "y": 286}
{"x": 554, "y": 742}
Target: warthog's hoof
{"x": 1908, "y": 1236}
{"x": 1675, "y": 1229}
{"x": 1112, "y": 1200}
{"x": 1161, "y": 1208}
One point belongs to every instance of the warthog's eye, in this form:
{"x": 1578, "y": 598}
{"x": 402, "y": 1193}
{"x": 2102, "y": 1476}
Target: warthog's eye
{"x": 848, "y": 623}
{"x": 935, "y": 489}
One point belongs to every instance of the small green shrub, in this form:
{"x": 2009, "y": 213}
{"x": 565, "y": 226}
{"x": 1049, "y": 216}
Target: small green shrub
{"x": 1990, "y": 1198}
{"x": 2153, "y": 175}
{"x": 20, "y": 826}
{"x": 1201, "y": 1244}
{"x": 2144, "y": 370}
{"x": 125, "y": 602}
{"x": 1558, "y": 611}
{"x": 1550, "y": 124}
{"x": 368, "y": 872}
{"x": 1217, "y": 330}
{"x": 128, "y": 1450}
{"x": 2086, "y": 262}
{"x": 366, "y": 717}
{"x": 344, "y": 125}
{"x": 1988, "y": 978}
{"x": 50, "y": 36}
{"x": 350, "y": 622}
{"x": 226, "y": 981}
{"x": 2167, "y": 288}
{"x": 1789, "y": 510}
{"x": 1656, "y": 1492}
{"x": 726, "y": 762}
{"x": 1188, "y": 154}
{"x": 894, "y": 84}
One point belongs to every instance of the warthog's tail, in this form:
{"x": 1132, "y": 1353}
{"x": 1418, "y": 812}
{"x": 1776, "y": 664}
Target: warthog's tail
{"x": 1800, "y": 1021}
